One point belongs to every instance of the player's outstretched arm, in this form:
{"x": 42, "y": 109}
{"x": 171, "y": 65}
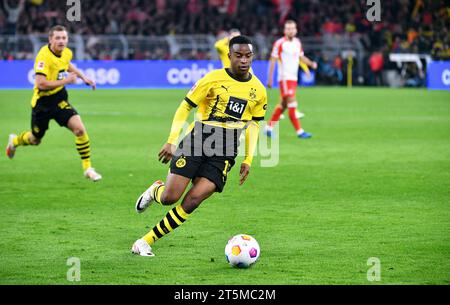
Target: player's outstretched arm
{"x": 86, "y": 80}
{"x": 308, "y": 61}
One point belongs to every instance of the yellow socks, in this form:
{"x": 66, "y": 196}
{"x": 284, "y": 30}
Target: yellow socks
{"x": 173, "y": 219}
{"x": 22, "y": 139}
{"x": 84, "y": 149}
{"x": 158, "y": 192}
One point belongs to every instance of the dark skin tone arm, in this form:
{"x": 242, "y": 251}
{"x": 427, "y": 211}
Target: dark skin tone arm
{"x": 166, "y": 153}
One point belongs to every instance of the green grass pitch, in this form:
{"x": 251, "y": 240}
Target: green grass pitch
{"x": 374, "y": 181}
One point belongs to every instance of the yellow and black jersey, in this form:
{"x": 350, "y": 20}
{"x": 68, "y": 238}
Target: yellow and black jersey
{"x": 224, "y": 101}
{"x": 223, "y": 50}
{"x": 53, "y": 67}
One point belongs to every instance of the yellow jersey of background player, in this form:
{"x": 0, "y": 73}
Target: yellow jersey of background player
{"x": 228, "y": 101}
{"x": 50, "y": 100}
{"x": 53, "y": 67}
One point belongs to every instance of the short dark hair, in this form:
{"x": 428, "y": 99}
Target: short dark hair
{"x": 290, "y": 21}
{"x": 56, "y": 28}
{"x": 241, "y": 39}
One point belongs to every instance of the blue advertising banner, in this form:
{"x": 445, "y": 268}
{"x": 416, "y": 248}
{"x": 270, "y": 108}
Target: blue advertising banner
{"x": 132, "y": 74}
{"x": 438, "y": 75}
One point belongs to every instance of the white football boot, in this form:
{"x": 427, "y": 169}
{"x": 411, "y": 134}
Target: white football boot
{"x": 146, "y": 199}
{"x": 10, "y": 148}
{"x": 142, "y": 248}
{"x": 92, "y": 175}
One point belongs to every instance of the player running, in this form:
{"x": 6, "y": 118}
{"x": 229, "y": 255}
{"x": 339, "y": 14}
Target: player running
{"x": 50, "y": 100}
{"x": 229, "y": 100}
{"x": 288, "y": 52}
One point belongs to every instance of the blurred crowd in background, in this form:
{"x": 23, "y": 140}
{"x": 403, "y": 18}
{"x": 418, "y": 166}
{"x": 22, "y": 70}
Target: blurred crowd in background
{"x": 406, "y": 26}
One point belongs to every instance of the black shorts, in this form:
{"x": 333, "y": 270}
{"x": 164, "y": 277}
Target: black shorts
{"x": 198, "y": 156}
{"x": 55, "y": 107}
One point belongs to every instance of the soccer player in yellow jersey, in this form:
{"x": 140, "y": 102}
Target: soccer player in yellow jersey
{"x": 50, "y": 100}
{"x": 222, "y": 47}
{"x": 229, "y": 101}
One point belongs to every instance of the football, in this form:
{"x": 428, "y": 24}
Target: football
{"x": 242, "y": 251}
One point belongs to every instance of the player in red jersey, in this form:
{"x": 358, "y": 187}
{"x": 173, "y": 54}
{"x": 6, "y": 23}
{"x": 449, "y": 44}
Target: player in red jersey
{"x": 288, "y": 52}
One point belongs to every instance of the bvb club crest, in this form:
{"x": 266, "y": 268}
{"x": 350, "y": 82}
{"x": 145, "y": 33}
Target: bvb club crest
{"x": 252, "y": 93}
{"x": 181, "y": 162}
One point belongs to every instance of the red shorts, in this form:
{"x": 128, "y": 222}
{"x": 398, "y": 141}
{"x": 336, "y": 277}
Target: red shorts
{"x": 287, "y": 88}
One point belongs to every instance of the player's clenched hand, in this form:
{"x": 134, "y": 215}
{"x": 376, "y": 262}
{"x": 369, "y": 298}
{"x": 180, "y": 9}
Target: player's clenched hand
{"x": 90, "y": 82}
{"x": 245, "y": 170}
{"x": 166, "y": 152}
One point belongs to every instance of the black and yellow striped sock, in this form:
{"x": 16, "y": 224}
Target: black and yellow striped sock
{"x": 84, "y": 149}
{"x": 173, "y": 219}
{"x": 157, "y": 192}
{"x": 23, "y": 139}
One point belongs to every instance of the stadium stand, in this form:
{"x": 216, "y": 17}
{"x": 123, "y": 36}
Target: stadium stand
{"x": 187, "y": 29}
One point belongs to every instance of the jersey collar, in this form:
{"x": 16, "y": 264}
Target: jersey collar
{"x": 239, "y": 80}
{"x": 287, "y": 39}
{"x": 59, "y": 56}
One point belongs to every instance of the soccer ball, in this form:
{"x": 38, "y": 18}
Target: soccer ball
{"x": 242, "y": 251}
